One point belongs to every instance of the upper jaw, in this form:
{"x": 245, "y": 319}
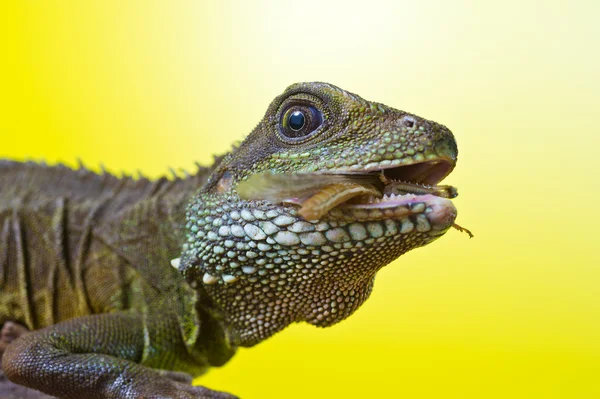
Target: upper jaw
{"x": 416, "y": 178}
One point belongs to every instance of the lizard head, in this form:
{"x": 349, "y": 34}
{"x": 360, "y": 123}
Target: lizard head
{"x": 263, "y": 261}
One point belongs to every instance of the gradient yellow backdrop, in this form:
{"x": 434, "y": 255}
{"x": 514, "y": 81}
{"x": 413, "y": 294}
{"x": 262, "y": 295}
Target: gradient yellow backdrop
{"x": 512, "y": 313}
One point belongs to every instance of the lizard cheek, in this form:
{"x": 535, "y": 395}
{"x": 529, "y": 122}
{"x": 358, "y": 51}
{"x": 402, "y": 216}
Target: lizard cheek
{"x": 224, "y": 184}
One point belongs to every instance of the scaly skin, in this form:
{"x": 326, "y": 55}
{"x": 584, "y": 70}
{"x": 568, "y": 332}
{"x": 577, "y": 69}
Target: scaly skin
{"x": 84, "y": 259}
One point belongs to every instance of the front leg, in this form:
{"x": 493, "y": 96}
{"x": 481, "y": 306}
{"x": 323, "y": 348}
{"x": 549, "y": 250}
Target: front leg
{"x": 99, "y": 357}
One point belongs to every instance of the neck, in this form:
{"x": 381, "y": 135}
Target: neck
{"x": 254, "y": 314}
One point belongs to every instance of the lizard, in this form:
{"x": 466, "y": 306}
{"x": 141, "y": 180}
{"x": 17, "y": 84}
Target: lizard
{"x": 129, "y": 287}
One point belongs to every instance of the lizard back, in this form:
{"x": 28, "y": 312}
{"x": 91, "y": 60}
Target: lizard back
{"x": 69, "y": 242}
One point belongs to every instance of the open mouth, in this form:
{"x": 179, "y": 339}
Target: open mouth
{"x": 405, "y": 190}
{"x": 418, "y": 179}
{"x": 387, "y": 190}
{"x": 386, "y": 186}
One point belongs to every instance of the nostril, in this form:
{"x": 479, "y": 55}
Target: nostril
{"x": 408, "y": 121}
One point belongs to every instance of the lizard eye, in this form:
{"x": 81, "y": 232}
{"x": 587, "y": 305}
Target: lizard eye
{"x": 300, "y": 121}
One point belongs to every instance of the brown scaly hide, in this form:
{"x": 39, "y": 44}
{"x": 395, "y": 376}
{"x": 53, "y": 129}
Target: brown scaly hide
{"x": 59, "y": 228}
{"x": 62, "y": 223}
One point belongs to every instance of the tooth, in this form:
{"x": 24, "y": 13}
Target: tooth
{"x": 229, "y": 278}
{"x": 176, "y": 262}
{"x": 208, "y": 279}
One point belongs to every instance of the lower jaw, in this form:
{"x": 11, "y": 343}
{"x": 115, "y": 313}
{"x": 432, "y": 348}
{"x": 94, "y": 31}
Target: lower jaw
{"x": 439, "y": 213}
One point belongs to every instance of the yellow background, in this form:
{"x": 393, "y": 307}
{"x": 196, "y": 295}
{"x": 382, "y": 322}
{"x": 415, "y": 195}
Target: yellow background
{"x": 512, "y": 313}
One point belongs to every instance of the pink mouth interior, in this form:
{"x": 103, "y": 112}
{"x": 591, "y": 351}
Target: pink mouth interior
{"x": 426, "y": 173}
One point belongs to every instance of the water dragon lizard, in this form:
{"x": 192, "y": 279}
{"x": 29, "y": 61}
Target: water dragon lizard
{"x": 131, "y": 286}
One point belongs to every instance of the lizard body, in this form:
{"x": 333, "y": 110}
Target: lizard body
{"x": 86, "y": 260}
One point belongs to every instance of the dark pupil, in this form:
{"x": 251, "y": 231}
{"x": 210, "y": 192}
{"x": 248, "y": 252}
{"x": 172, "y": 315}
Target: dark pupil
{"x": 296, "y": 120}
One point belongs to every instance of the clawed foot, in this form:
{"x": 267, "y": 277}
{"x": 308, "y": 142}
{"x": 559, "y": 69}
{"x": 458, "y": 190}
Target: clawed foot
{"x": 176, "y": 384}
{"x": 182, "y": 382}
{"x": 204, "y": 393}
{"x": 169, "y": 388}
